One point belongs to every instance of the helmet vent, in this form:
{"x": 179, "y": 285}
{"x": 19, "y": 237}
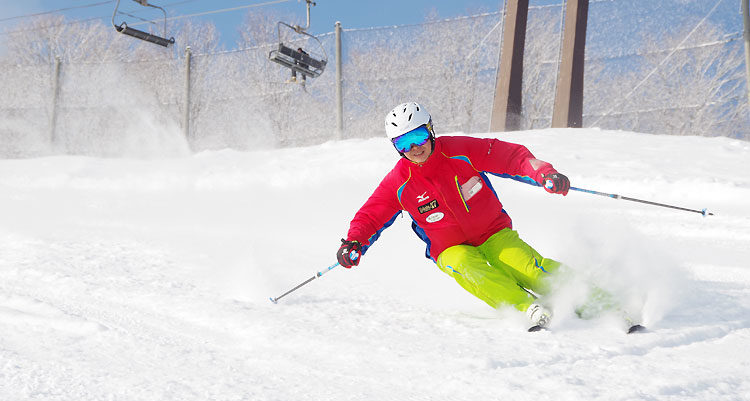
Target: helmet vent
{"x": 409, "y": 119}
{"x": 394, "y": 124}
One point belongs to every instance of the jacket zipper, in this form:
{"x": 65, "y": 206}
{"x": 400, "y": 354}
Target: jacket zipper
{"x": 460, "y": 195}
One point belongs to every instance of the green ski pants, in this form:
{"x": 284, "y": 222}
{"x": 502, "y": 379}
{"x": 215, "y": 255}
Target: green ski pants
{"x": 499, "y": 270}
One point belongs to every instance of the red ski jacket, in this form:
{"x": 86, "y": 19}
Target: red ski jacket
{"x": 449, "y": 197}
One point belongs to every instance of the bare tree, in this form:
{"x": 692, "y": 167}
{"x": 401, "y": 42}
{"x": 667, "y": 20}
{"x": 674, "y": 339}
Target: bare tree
{"x": 458, "y": 52}
{"x": 111, "y": 83}
{"x": 541, "y": 61}
{"x": 439, "y": 63}
{"x": 42, "y": 39}
{"x": 696, "y": 91}
{"x": 201, "y": 36}
{"x": 678, "y": 89}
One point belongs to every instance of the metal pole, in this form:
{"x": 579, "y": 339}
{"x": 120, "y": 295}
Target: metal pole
{"x": 746, "y": 23}
{"x": 55, "y": 98}
{"x": 704, "y": 212}
{"x": 318, "y": 274}
{"x": 186, "y": 95}
{"x": 308, "y": 14}
{"x": 339, "y": 83}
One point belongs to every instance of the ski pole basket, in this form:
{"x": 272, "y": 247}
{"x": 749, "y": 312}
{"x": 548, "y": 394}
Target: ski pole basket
{"x": 142, "y": 35}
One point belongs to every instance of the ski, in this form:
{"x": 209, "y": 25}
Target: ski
{"x": 536, "y": 328}
{"x": 636, "y": 328}
{"x": 632, "y": 326}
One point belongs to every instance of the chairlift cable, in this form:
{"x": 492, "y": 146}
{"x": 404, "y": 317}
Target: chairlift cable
{"x": 152, "y": 21}
{"x": 162, "y": 40}
{"x": 54, "y": 11}
{"x": 223, "y": 10}
{"x": 79, "y": 21}
{"x": 140, "y": 23}
{"x": 76, "y": 21}
{"x": 144, "y": 20}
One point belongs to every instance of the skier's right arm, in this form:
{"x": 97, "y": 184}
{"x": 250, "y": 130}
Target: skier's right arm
{"x": 370, "y": 220}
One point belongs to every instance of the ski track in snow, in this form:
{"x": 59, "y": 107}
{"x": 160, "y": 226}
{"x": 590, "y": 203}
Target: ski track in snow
{"x": 125, "y": 279}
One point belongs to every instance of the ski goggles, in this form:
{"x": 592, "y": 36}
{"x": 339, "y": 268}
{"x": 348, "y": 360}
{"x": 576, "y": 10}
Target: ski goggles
{"x": 418, "y": 136}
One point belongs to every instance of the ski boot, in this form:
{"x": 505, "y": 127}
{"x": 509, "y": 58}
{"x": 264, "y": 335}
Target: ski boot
{"x": 539, "y": 316}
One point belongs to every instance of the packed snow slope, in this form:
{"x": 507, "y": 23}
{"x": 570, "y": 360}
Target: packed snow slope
{"x": 149, "y": 279}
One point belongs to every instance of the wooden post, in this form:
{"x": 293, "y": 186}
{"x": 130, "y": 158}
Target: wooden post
{"x": 568, "y": 110}
{"x": 506, "y": 108}
{"x": 746, "y": 35}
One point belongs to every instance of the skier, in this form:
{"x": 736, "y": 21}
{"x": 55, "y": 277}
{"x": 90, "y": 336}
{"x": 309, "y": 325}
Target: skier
{"x": 442, "y": 183}
{"x": 293, "y": 79}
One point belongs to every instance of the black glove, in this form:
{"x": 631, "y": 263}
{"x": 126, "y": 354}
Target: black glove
{"x": 349, "y": 253}
{"x": 556, "y": 183}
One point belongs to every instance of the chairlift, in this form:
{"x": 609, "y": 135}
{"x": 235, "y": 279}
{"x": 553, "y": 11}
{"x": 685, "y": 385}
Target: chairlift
{"x": 124, "y": 28}
{"x": 295, "y": 57}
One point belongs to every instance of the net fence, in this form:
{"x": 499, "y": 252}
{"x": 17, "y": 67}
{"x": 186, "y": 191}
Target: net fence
{"x": 670, "y": 67}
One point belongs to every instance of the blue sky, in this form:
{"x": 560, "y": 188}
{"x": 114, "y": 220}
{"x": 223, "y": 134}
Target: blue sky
{"x": 668, "y": 14}
{"x": 351, "y": 13}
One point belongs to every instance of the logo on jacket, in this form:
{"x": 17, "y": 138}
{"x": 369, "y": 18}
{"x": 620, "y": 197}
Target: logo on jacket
{"x": 427, "y": 207}
{"x": 423, "y": 197}
{"x": 435, "y": 217}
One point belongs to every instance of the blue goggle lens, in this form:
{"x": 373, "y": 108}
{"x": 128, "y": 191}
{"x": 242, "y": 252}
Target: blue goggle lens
{"x": 418, "y": 136}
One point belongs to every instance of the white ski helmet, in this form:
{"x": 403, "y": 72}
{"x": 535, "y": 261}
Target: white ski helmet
{"x": 406, "y": 117}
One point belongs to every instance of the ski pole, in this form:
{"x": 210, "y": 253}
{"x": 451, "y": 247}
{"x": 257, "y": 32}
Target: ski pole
{"x": 318, "y": 274}
{"x": 615, "y": 196}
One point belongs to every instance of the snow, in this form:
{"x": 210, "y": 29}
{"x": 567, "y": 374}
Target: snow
{"x": 149, "y": 279}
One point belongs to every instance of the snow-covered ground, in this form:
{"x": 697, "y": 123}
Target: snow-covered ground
{"x": 149, "y": 279}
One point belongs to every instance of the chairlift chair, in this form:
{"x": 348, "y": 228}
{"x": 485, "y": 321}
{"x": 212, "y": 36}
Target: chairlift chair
{"x": 125, "y": 29}
{"x": 297, "y": 59}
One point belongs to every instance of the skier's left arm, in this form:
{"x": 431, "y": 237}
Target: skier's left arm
{"x": 517, "y": 162}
